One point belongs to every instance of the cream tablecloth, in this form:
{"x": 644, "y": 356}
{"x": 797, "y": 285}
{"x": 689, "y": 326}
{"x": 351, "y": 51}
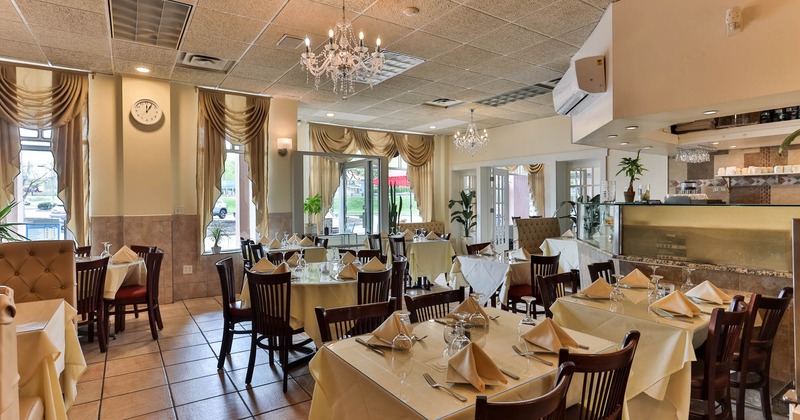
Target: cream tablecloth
{"x": 429, "y": 258}
{"x": 568, "y": 250}
{"x": 124, "y": 274}
{"x": 353, "y": 382}
{"x": 48, "y": 348}
{"x": 659, "y": 385}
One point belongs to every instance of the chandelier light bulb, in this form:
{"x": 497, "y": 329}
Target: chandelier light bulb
{"x": 471, "y": 141}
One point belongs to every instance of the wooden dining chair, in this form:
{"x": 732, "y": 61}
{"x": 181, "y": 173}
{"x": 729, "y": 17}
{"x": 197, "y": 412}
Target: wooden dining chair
{"x": 711, "y": 373}
{"x": 375, "y": 242}
{"x": 256, "y": 252}
{"x": 275, "y": 258}
{"x": 604, "y": 270}
{"x": 364, "y": 255}
{"x": 550, "y": 406}
{"x": 90, "y": 277}
{"x": 751, "y": 362}
{"x": 396, "y": 286}
{"x": 432, "y": 305}
{"x": 142, "y": 250}
{"x": 139, "y": 295}
{"x": 271, "y": 298}
{"x": 373, "y": 286}
{"x": 555, "y": 286}
{"x": 397, "y": 245}
{"x": 321, "y": 242}
{"x": 541, "y": 265}
{"x": 247, "y": 256}
{"x": 350, "y": 321}
{"x": 83, "y": 251}
{"x": 475, "y": 249}
{"x": 232, "y": 311}
{"x": 605, "y": 378}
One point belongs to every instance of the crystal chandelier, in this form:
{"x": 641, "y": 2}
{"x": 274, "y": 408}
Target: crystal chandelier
{"x": 696, "y": 154}
{"x": 344, "y": 62}
{"x": 471, "y": 141}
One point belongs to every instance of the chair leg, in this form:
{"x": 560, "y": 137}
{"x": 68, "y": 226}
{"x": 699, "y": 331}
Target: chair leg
{"x": 287, "y": 342}
{"x": 102, "y": 331}
{"x": 766, "y": 408}
{"x": 740, "y": 396}
{"x": 152, "y": 320}
{"x": 90, "y": 328}
{"x": 252, "y": 362}
{"x": 157, "y": 312}
{"x": 271, "y": 355}
{"x": 223, "y": 347}
{"x": 135, "y": 311}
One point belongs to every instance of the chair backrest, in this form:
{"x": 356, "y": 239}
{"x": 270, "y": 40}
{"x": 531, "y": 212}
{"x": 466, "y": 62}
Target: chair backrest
{"x": 350, "y": 321}
{"x": 90, "y": 276}
{"x": 322, "y": 242}
{"x": 83, "y": 251}
{"x": 247, "y": 256}
{"x": 256, "y": 252}
{"x": 289, "y": 254}
{"x": 555, "y": 286}
{"x": 315, "y": 254}
{"x": 343, "y": 251}
{"x": 605, "y": 378}
{"x": 473, "y": 249}
{"x": 399, "y": 266}
{"x": 142, "y": 250}
{"x": 771, "y": 311}
{"x": 373, "y": 286}
{"x": 364, "y": 255}
{"x": 532, "y": 232}
{"x": 270, "y": 298}
{"x": 541, "y": 266}
{"x": 275, "y": 257}
{"x": 602, "y": 269}
{"x": 39, "y": 270}
{"x": 724, "y": 331}
{"x": 445, "y": 236}
{"x": 397, "y": 244}
{"x": 432, "y": 305}
{"x": 152, "y": 260}
{"x": 227, "y": 285}
{"x": 375, "y": 242}
{"x": 550, "y": 406}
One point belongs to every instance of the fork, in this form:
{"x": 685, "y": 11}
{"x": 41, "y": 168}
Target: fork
{"x": 415, "y": 338}
{"x": 494, "y": 317}
{"x": 433, "y": 384}
{"x": 531, "y": 354}
{"x": 664, "y": 314}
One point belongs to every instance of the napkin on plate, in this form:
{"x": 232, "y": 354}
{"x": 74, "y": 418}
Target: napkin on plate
{"x": 124, "y": 255}
{"x": 348, "y": 258}
{"x": 306, "y": 242}
{"x": 349, "y": 272}
{"x": 600, "y": 289}
{"x": 549, "y": 336}
{"x": 677, "y": 303}
{"x": 283, "y": 268}
{"x": 386, "y": 332}
{"x": 263, "y": 266}
{"x": 294, "y": 239}
{"x": 521, "y": 254}
{"x": 409, "y": 234}
{"x": 432, "y": 236}
{"x": 488, "y": 250}
{"x": 274, "y": 244}
{"x": 472, "y": 365}
{"x": 568, "y": 234}
{"x": 635, "y": 279}
{"x": 469, "y": 306}
{"x": 374, "y": 265}
{"x": 294, "y": 259}
{"x": 710, "y": 293}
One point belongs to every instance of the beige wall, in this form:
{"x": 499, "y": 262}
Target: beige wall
{"x": 282, "y": 123}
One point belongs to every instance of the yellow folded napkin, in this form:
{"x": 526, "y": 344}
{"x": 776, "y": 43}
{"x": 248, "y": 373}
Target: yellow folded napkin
{"x": 306, "y": 242}
{"x": 568, "y": 234}
{"x": 469, "y": 306}
{"x": 432, "y": 236}
{"x": 294, "y": 239}
{"x": 374, "y": 265}
{"x": 348, "y": 258}
{"x": 386, "y": 332}
{"x": 635, "y": 279}
{"x": 521, "y": 254}
{"x": 294, "y": 259}
{"x": 274, "y": 244}
{"x": 472, "y": 365}
{"x": 600, "y": 289}
{"x": 263, "y": 266}
{"x": 488, "y": 250}
{"x": 708, "y": 292}
{"x": 349, "y": 272}
{"x": 283, "y": 268}
{"x": 677, "y": 303}
{"x": 124, "y": 255}
{"x": 385, "y": 235}
{"x": 409, "y": 234}
{"x": 549, "y": 336}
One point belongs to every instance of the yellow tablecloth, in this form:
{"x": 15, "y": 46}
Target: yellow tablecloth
{"x": 353, "y": 382}
{"x": 48, "y": 347}
{"x": 124, "y": 274}
{"x": 659, "y": 384}
{"x": 429, "y": 258}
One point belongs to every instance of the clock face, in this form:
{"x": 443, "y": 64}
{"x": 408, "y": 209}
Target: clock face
{"x": 146, "y": 111}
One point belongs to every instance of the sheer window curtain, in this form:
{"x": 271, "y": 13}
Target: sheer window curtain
{"x": 217, "y": 122}
{"x": 59, "y": 103}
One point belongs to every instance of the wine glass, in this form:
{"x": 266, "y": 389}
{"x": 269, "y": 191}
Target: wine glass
{"x": 402, "y": 353}
{"x": 300, "y": 268}
{"x": 528, "y": 320}
{"x": 285, "y": 238}
{"x": 106, "y": 250}
{"x": 655, "y": 294}
{"x": 687, "y": 285}
{"x": 616, "y": 294}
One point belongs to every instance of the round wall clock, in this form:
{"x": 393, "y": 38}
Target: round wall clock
{"x": 146, "y": 111}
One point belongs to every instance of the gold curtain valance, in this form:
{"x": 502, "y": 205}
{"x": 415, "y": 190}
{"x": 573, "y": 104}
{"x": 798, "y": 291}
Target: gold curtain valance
{"x": 47, "y": 108}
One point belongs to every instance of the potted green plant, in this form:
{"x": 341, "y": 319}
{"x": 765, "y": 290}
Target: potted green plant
{"x": 395, "y": 205}
{"x": 8, "y": 231}
{"x": 633, "y": 169}
{"x": 312, "y": 206}
{"x": 788, "y": 141}
{"x": 217, "y": 231}
{"x": 466, "y": 216}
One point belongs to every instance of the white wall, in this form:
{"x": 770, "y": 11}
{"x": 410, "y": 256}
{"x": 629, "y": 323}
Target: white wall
{"x": 656, "y": 174}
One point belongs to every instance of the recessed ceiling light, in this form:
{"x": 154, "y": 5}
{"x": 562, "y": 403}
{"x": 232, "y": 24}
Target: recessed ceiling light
{"x": 710, "y": 112}
{"x": 733, "y": 147}
{"x": 623, "y": 143}
{"x": 715, "y": 143}
{"x": 330, "y": 114}
{"x": 612, "y": 136}
{"x": 432, "y": 127}
{"x": 410, "y": 11}
{"x": 632, "y": 127}
{"x": 647, "y": 147}
{"x": 142, "y": 69}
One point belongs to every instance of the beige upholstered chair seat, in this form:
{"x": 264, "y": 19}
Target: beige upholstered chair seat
{"x": 532, "y": 232}
{"x": 39, "y": 270}
{"x": 429, "y": 226}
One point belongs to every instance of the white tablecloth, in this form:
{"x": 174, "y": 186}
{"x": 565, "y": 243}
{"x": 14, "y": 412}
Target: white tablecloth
{"x": 568, "y": 249}
{"x": 124, "y": 274}
{"x": 485, "y": 274}
{"x": 429, "y": 258}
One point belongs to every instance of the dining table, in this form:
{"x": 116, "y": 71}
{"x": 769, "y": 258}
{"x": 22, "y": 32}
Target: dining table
{"x": 49, "y": 356}
{"x": 315, "y": 254}
{"x": 121, "y": 274}
{"x": 352, "y": 381}
{"x": 429, "y": 257}
{"x": 567, "y": 250}
{"x": 485, "y": 274}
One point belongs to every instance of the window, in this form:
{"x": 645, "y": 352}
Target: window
{"x": 584, "y": 183}
{"x": 35, "y": 189}
{"x": 522, "y": 204}
{"x": 355, "y": 206}
{"x": 398, "y": 175}
{"x": 232, "y": 211}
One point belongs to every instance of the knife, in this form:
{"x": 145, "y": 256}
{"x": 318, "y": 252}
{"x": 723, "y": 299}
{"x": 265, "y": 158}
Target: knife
{"x": 370, "y": 346}
{"x": 664, "y": 314}
{"x": 439, "y": 321}
{"x": 509, "y": 374}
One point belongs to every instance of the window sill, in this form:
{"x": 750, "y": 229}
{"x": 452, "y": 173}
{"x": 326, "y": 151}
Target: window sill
{"x": 223, "y": 252}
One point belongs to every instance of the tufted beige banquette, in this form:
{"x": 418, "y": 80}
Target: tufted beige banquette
{"x": 429, "y": 226}
{"x": 39, "y": 270}
{"x": 532, "y": 232}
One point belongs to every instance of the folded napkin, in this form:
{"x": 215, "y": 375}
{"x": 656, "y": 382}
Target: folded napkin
{"x": 374, "y": 265}
{"x": 283, "y": 268}
{"x": 348, "y": 258}
{"x": 600, "y": 289}
{"x": 263, "y": 266}
{"x": 521, "y": 254}
{"x": 677, "y": 303}
{"x": 384, "y": 235}
{"x": 472, "y": 365}
{"x": 306, "y": 242}
{"x": 708, "y": 292}
{"x": 274, "y": 244}
{"x": 124, "y": 255}
{"x": 294, "y": 239}
{"x": 409, "y": 234}
{"x": 294, "y": 259}
{"x": 568, "y": 234}
{"x": 635, "y": 279}
{"x": 469, "y": 306}
{"x": 432, "y": 236}
{"x": 488, "y": 250}
{"x": 386, "y": 332}
{"x": 349, "y": 272}
{"x": 549, "y": 336}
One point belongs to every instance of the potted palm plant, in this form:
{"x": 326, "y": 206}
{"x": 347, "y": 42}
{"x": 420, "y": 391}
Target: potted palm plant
{"x": 312, "y": 206}
{"x": 633, "y": 169}
{"x": 8, "y": 231}
{"x": 217, "y": 231}
{"x": 466, "y": 216}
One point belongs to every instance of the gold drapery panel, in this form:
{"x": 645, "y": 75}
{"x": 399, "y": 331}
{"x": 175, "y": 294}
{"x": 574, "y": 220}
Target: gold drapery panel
{"x": 416, "y": 151}
{"x": 217, "y": 122}
{"x": 62, "y": 107}
{"x": 536, "y": 185}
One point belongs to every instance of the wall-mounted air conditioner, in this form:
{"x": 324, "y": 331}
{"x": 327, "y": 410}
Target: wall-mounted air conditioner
{"x": 584, "y": 77}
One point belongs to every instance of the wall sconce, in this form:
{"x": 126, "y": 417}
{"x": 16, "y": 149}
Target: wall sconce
{"x": 733, "y": 20}
{"x": 284, "y": 144}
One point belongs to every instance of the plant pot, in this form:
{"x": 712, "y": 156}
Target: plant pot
{"x": 216, "y": 249}
{"x": 629, "y": 194}
{"x": 466, "y": 240}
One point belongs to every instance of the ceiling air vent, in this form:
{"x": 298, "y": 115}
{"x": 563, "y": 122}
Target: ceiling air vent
{"x": 444, "y": 103}
{"x": 151, "y": 22}
{"x": 290, "y": 42}
{"x": 537, "y": 89}
{"x": 204, "y": 62}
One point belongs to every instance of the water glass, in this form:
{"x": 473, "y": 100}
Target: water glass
{"x": 106, "y": 250}
{"x": 688, "y": 285}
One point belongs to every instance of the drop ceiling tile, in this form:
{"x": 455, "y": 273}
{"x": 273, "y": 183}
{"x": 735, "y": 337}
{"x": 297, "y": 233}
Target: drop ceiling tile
{"x": 499, "y": 67}
{"x": 439, "y": 90}
{"x": 462, "y": 24}
{"x": 422, "y": 45}
{"x": 262, "y": 10}
{"x": 129, "y": 67}
{"x": 275, "y": 32}
{"x": 374, "y": 112}
{"x": 467, "y": 79}
{"x": 560, "y": 65}
{"x": 524, "y": 106}
{"x": 403, "y": 82}
{"x": 534, "y": 74}
{"x": 207, "y": 22}
{"x": 472, "y": 95}
{"x": 392, "y": 11}
{"x": 77, "y": 60}
{"x": 560, "y": 18}
{"x": 547, "y": 51}
{"x": 197, "y": 77}
{"x": 380, "y": 91}
{"x": 392, "y": 105}
{"x": 245, "y": 85}
{"x": 413, "y": 98}
{"x": 499, "y": 86}
{"x": 432, "y": 71}
{"x": 287, "y": 91}
{"x": 55, "y": 38}
{"x": 93, "y": 6}
{"x": 323, "y": 94}
{"x": 15, "y": 31}
{"x": 374, "y": 28}
{"x": 355, "y": 103}
{"x": 309, "y": 17}
{"x": 8, "y": 12}
{"x": 578, "y": 36}
{"x": 298, "y": 77}
{"x": 507, "y": 39}
{"x": 251, "y": 71}
{"x": 357, "y": 6}
{"x": 22, "y": 51}
{"x": 494, "y": 123}
{"x": 145, "y": 54}
{"x": 465, "y": 57}
{"x": 212, "y": 46}
{"x": 508, "y": 9}
{"x": 546, "y": 100}
{"x": 64, "y": 18}
{"x": 280, "y": 59}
